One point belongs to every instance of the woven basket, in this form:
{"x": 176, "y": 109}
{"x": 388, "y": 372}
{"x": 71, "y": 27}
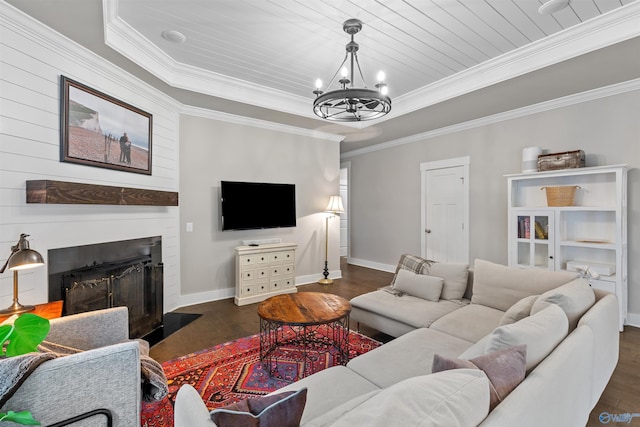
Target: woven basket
{"x": 562, "y": 195}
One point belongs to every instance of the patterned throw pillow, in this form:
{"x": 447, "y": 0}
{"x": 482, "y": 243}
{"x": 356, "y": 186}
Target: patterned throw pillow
{"x": 505, "y": 369}
{"x": 277, "y": 410}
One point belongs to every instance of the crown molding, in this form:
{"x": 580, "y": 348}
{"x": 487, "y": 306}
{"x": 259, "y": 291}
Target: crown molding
{"x": 613, "y": 27}
{"x": 553, "y": 104}
{"x": 257, "y": 123}
{"x": 36, "y": 32}
{"x": 605, "y": 30}
{"x": 120, "y": 36}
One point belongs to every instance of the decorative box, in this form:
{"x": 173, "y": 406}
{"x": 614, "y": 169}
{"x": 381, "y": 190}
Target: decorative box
{"x": 564, "y": 160}
{"x": 594, "y": 267}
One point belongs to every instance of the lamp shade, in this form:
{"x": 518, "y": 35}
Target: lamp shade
{"x": 21, "y": 258}
{"x": 25, "y": 259}
{"x": 335, "y": 205}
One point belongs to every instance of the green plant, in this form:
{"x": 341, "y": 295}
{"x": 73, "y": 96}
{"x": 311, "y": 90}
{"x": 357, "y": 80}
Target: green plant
{"x": 20, "y": 338}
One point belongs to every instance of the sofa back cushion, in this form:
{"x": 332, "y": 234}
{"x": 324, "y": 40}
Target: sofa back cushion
{"x": 540, "y": 332}
{"x": 455, "y": 275}
{"x": 500, "y": 287}
{"x": 519, "y": 310}
{"x": 455, "y": 278}
{"x": 575, "y": 298}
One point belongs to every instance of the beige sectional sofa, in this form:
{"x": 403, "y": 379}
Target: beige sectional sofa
{"x": 570, "y": 331}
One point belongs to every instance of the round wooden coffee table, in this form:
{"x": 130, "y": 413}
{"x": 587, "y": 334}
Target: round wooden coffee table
{"x": 296, "y": 319}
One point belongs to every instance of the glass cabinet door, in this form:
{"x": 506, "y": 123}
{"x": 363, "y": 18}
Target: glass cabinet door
{"x": 533, "y": 246}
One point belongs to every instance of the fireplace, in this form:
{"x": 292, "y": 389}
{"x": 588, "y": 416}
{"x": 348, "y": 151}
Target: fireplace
{"x": 123, "y": 273}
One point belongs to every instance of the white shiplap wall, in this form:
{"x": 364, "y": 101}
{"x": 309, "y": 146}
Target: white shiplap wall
{"x": 32, "y": 58}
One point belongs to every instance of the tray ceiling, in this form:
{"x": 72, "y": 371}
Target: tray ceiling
{"x": 267, "y": 54}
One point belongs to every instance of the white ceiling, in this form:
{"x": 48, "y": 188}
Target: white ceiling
{"x": 268, "y": 53}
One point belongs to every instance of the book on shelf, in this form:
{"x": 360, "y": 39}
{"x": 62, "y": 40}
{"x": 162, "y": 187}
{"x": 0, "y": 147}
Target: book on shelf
{"x": 524, "y": 227}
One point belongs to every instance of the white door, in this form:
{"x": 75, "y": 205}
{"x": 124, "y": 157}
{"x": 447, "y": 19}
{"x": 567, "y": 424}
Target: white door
{"x": 445, "y": 211}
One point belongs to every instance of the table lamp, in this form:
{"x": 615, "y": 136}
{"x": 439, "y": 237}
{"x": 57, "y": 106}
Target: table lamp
{"x": 21, "y": 258}
{"x": 334, "y": 207}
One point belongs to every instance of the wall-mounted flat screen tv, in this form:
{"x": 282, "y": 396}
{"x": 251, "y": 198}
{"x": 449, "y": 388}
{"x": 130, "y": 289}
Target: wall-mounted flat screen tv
{"x": 256, "y": 205}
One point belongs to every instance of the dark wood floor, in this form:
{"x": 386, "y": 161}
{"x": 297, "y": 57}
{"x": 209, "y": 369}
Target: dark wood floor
{"x": 222, "y": 321}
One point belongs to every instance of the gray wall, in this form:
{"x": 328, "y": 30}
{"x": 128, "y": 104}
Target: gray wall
{"x": 212, "y": 151}
{"x": 385, "y": 184}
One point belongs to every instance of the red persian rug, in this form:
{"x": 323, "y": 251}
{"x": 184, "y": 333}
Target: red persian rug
{"x": 232, "y": 371}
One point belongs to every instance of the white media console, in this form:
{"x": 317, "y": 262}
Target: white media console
{"x": 263, "y": 271}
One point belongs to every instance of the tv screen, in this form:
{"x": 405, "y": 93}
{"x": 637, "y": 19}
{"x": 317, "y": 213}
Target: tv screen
{"x": 256, "y": 205}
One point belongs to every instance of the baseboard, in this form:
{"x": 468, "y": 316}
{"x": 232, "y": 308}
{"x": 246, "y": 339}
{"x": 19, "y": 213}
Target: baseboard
{"x": 371, "y": 264}
{"x": 202, "y": 297}
{"x": 633, "y": 319}
{"x": 313, "y": 278}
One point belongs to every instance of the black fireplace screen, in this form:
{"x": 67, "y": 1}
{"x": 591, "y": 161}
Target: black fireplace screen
{"x": 113, "y": 280}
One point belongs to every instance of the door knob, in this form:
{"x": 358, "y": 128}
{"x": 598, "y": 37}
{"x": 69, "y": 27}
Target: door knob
{"x": 428, "y": 230}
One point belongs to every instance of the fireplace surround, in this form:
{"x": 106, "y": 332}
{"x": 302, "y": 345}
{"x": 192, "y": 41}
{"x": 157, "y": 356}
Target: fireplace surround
{"x": 102, "y": 275}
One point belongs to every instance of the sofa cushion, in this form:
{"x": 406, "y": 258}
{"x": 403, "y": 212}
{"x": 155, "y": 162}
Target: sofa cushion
{"x": 476, "y": 349}
{"x": 407, "y": 356}
{"x": 455, "y": 278}
{"x": 575, "y": 298}
{"x": 419, "y": 285}
{"x": 540, "y": 332}
{"x": 505, "y": 369}
{"x": 469, "y": 323}
{"x": 275, "y": 410}
{"x": 451, "y": 398}
{"x": 519, "y": 310}
{"x": 323, "y": 394}
{"x": 500, "y": 287}
{"x": 414, "y": 311}
{"x": 455, "y": 275}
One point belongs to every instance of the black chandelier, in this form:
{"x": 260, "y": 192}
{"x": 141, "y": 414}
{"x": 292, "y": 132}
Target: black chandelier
{"x": 349, "y": 103}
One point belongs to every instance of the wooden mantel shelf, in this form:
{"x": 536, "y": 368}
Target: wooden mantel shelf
{"x": 73, "y": 193}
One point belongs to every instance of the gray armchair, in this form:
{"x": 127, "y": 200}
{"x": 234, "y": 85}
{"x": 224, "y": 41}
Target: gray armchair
{"x": 100, "y": 383}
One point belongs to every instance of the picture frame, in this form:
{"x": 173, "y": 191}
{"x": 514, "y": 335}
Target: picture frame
{"x": 99, "y": 130}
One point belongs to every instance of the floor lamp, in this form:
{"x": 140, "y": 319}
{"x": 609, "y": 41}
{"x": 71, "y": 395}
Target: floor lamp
{"x": 334, "y": 208}
{"x": 21, "y": 258}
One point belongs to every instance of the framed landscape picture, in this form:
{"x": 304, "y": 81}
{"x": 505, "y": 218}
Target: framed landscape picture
{"x": 99, "y": 130}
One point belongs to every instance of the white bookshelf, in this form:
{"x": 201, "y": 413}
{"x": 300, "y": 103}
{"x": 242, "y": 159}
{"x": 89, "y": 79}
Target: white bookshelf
{"x": 592, "y": 232}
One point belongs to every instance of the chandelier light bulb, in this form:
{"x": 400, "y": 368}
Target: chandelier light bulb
{"x": 381, "y": 76}
{"x": 318, "y": 84}
{"x": 384, "y": 90}
{"x": 344, "y": 72}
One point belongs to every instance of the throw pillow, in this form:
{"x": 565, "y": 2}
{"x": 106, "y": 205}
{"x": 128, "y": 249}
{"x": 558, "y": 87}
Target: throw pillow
{"x": 455, "y": 275}
{"x": 541, "y": 332}
{"x": 419, "y": 285}
{"x": 277, "y": 410}
{"x": 505, "y": 369}
{"x": 452, "y": 398}
{"x": 519, "y": 310}
{"x": 575, "y": 298}
{"x": 411, "y": 263}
